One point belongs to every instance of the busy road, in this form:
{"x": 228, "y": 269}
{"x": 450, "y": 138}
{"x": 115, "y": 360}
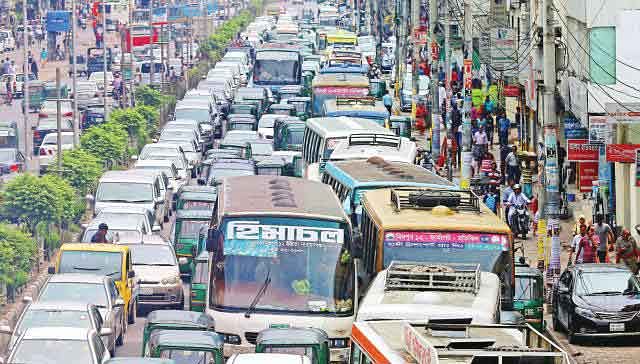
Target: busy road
{"x": 306, "y": 181}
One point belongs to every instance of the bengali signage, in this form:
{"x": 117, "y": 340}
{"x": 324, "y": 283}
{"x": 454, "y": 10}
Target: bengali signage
{"x": 588, "y": 172}
{"x": 637, "y": 167}
{"x": 445, "y": 240}
{"x": 622, "y": 153}
{"x": 467, "y": 74}
{"x": 627, "y": 113}
{"x": 599, "y": 130}
{"x": 573, "y": 129}
{"x": 418, "y": 346}
{"x": 503, "y": 49}
{"x": 342, "y": 91}
{"x": 581, "y": 150}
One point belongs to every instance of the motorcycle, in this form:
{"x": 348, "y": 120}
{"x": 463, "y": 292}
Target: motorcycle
{"x": 520, "y": 221}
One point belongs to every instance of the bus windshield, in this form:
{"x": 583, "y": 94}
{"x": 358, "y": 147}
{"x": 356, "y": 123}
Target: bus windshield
{"x": 485, "y": 249}
{"x": 300, "y": 264}
{"x": 277, "y": 67}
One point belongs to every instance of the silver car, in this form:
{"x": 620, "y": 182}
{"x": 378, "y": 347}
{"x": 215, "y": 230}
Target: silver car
{"x": 89, "y": 288}
{"x": 54, "y": 345}
{"x": 61, "y": 314}
{"x": 157, "y": 269}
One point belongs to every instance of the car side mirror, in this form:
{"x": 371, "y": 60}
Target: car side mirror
{"x": 6, "y": 330}
{"x": 131, "y": 274}
{"x": 134, "y": 157}
{"x": 119, "y": 302}
{"x": 183, "y": 261}
{"x": 27, "y": 299}
{"x": 90, "y": 197}
{"x": 212, "y": 239}
{"x": 51, "y": 270}
{"x": 106, "y": 331}
{"x": 156, "y": 228}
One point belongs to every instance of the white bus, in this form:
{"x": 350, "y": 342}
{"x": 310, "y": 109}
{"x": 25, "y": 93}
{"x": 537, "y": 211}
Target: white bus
{"x": 322, "y": 135}
{"x": 280, "y": 256}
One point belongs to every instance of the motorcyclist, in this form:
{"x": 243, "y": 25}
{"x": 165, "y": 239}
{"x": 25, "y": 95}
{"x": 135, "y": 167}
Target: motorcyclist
{"x": 516, "y": 199}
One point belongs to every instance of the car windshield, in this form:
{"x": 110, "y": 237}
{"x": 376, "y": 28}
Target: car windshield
{"x": 266, "y": 122}
{"x": 527, "y": 289}
{"x": 218, "y": 173}
{"x": 166, "y": 157}
{"x": 187, "y": 356}
{"x": 47, "y": 351}
{"x": 166, "y": 169}
{"x": 127, "y": 192}
{"x": 152, "y": 254}
{"x": 281, "y": 69}
{"x": 115, "y": 235}
{"x": 75, "y": 292}
{"x": 261, "y": 149}
{"x": 94, "y": 262}
{"x": 52, "y": 139}
{"x": 191, "y": 228}
{"x": 53, "y": 318}
{"x": 193, "y": 114}
{"x": 606, "y": 283}
{"x": 303, "y": 266}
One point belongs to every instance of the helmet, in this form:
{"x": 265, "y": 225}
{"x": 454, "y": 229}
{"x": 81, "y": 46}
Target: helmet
{"x": 103, "y": 226}
{"x": 516, "y": 186}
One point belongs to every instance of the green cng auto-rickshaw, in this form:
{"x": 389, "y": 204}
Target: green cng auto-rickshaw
{"x": 187, "y": 346}
{"x": 199, "y": 282}
{"x": 189, "y": 235}
{"x": 174, "y": 320}
{"x": 311, "y": 342}
{"x": 401, "y": 125}
{"x": 303, "y": 106}
{"x": 529, "y": 295}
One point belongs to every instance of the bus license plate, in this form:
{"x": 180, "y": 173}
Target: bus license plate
{"x": 279, "y": 326}
{"x": 146, "y": 291}
{"x": 616, "y": 327}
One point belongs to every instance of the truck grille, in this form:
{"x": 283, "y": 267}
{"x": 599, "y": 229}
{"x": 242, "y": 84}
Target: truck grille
{"x": 616, "y": 316}
{"x": 251, "y": 337}
{"x": 152, "y": 297}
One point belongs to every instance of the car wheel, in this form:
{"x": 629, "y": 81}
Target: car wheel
{"x": 132, "y": 313}
{"x": 570, "y": 334}
{"x": 120, "y": 338}
{"x": 557, "y": 326}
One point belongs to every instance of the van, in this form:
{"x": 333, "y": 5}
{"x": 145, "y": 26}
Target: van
{"x": 133, "y": 188}
{"x": 236, "y": 68}
{"x": 220, "y": 74}
{"x": 7, "y": 38}
{"x": 145, "y": 73}
{"x": 101, "y": 259}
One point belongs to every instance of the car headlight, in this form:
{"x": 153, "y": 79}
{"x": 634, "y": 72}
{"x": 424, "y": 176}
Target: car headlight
{"x": 171, "y": 280}
{"x": 232, "y": 339}
{"x": 339, "y": 343}
{"x": 585, "y": 313}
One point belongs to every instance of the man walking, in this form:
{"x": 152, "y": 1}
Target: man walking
{"x": 605, "y": 235}
{"x": 513, "y": 167}
{"x": 387, "y": 100}
{"x": 575, "y": 244}
{"x": 627, "y": 250}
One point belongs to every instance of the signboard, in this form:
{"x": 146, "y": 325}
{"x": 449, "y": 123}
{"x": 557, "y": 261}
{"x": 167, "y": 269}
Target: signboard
{"x": 418, "y": 346}
{"x": 637, "y": 167}
{"x": 510, "y": 108}
{"x": 622, "y": 153}
{"x": 598, "y": 130}
{"x": 445, "y": 240}
{"x": 580, "y": 150}
{"x": 420, "y": 36}
{"x": 58, "y": 21}
{"x": 342, "y": 91}
{"x": 552, "y": 184}
{"x": 190, "y": 11}
{"x": 467, "y": 73}
{"x": 434, "y": 51}
{"x": 627, "y": 113}
{"x": 573, "y": 129}
{"x": 588, "y": 172}
{"x": 503, "y": 49}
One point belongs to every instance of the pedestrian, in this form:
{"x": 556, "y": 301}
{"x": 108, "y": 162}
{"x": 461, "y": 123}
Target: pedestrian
{"x": 101, "y": 235}
{"x": 588, "y": 246}
{"x": 503, "y": 129}
{"x": 387, "y": 100}
{"x": 494, "y": 176}
{"x": 581, "y": 221}
{"x": 505, "y": 197}
{"x": 491, "y": 200}
{"x": 488, "y": 105}
{"x": 513, "y": 167}
{"x": 605, "y": 235}
{"x": 575, "y": 245}
{"x": 12, "y": 68}
{"x": 34, "y": 68}
{"x": 489, "y": 126}
{"x": 627, "y": 250}
{"x": 43, "y": 56}
{"x": 479, "y": 148}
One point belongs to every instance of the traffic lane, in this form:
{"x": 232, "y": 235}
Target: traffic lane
{"x": 619, "y": 350}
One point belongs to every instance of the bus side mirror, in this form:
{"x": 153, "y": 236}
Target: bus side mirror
{"x": 212, "y": 238}
{"x": 356, "y": 242}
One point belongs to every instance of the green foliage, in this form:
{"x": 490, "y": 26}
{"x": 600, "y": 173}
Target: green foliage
{"x": 151, "y": 117}
{"x": 70, "y": 204}
{"x": 133, "y": 122}
{"x": 107, "y": 141}
{"x": 81, "y": 169}
{"x": 146, "y": 95}
{"x": 17, "y": 255}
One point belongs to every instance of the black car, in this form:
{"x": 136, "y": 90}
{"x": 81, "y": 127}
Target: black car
{"x": 597, "y": 300}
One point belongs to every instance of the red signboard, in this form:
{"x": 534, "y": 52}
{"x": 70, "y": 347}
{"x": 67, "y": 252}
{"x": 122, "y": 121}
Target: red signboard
{"x": 434, "y": 51}
{"x": 588, "y": 172}
{"x": 580, "y": 150}
{"x": 622, "y": 153}
{"x": 512, "y": 91}
{"x": 467, "y": 74}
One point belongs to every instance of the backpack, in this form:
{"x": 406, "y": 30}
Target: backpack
{"x": 491, "y": 200}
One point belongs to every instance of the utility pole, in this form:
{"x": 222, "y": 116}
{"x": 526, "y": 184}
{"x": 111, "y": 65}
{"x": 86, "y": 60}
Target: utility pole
{"x": 435, "y": 103}
{"x": 399, "y": 20}
{"x": 415, "y": 21}
{"x": 551, "y": 168}
{"x": 131, "y": 73}
{"x": 59, "y": 121}
{"x": 153, "y": 58}
{"x": 104, "y": 59}
{"x": 466, "y": 112}
{"x": 76, "y": 122}
{"x": 28, "y": 152}
{"x": 447, "y": 73}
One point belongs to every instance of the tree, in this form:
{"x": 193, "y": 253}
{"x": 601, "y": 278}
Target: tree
{"x": 152, "y": 118}
{"x": 70, "y": 205}
{"x": 81, "y": 169}
{"x": 133, "y": 122}
{"x": 17, "y": 255}
{"x": 26, "y": 200}
{"x": 107, "y": 141}
{"x": 146, "y": 95}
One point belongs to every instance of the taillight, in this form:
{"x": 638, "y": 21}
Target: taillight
{"x": 13, "y": 168}
{"x": 43, "y": 152}
{"x": 68, "y": 114}
{"x": 42, "y": 115}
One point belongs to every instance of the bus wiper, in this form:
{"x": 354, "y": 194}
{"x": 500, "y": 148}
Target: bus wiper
{"x": 86, "y": 268}
{"x": 110, "y": 274}
{"x": 259, "y": 295}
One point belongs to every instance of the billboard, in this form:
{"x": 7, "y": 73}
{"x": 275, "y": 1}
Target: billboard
{"x": 58, "y": 21}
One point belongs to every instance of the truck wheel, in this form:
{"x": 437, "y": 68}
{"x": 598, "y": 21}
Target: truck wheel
{"x": 132, "y": 313}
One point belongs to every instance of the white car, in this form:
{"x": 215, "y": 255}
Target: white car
{"x": 8, "y": 41}
{"x": 49, "y": 148}
{"x": 98, "y": 78}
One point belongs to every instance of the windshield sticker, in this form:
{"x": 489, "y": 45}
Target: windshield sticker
{"x": 445, "y": 240}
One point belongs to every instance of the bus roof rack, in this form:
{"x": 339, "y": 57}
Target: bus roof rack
{"x": 375, "y": 139}
{"x": 365, "y": 100}
{"x": 422, "y": 276}
{"x": 428, "y": 198}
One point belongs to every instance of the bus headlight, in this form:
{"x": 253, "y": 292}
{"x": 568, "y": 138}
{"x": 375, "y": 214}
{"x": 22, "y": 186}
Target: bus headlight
{"x": 231, "y": 339}
{"x": 171, "y": 280}
{"x": 339, "y": 343}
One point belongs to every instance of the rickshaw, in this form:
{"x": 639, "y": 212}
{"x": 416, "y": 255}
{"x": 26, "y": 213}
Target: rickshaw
{"x": 312, "y": 342}
{"x": 187, "y": 347}
{"x": 190, "y": 189}
{"x": 271, "y": 166}
{"x": 37, "y": 96}
{"x": 307, "y": 80}
{"x": 529, "y": 295}
{"x": 285, "y": 132}
{"x": 199, "y": 282}
{"x": 302, "y": 105}
{"x": 51, "y": 93}
{"x": 377, "y": 88}
{"x": 175, "y": 320}
{"x": 401, "y": 125}
{"x": 242, "y": 107}
{"x": 288, "y": 92}
{"x": 189, "y": 235}
{"x": 283, "y": 109}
